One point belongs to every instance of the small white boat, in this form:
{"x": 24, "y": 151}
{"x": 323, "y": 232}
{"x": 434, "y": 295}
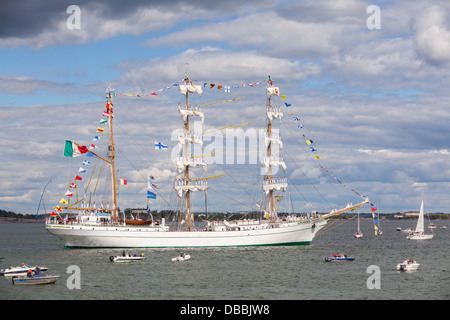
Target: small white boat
{"x": 408, "y": 265}
{"x": 20, "y": 270}
{"x": 34, "y": 280}
{"x": 443, "y": 228}
{"x": 399, "y": 229}
{"x": 182, "y": 257}
{"x": 432, "y": 226}
{"x": 127, "y": 258}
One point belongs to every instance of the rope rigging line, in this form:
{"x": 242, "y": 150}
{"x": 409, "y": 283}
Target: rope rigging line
{"x": 321, "y": 195}
{"x": 310, "y": 143}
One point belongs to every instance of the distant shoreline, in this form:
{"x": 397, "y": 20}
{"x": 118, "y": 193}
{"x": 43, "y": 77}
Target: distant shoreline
{"x": 20, "y": 220}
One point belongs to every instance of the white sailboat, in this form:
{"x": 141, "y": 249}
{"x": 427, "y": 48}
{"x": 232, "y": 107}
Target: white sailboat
{"x": 419, "y": 233}
{"x": 93, "y": 227}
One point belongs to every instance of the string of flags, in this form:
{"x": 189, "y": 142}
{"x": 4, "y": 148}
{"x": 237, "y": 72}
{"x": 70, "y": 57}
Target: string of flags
{"x": 313, "y": 149}
{"x": 73, "y": 149}
{"x": 224, "y": 88}
{"x": 376, "y": 221}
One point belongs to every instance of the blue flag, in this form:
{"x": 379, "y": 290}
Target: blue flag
{"x": 159, "y": 146}
{"x": 151, "y": 195}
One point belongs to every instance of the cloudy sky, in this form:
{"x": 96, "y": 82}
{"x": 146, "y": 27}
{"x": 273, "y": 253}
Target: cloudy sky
{"x": 374, "y": 100}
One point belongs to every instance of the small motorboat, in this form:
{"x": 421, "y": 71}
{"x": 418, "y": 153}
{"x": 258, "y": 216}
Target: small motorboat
{"x": 35, "y": 279}
{"x": 408, "y": 265}
{"x": 127, "y": 258}
{"x": 20, "y": 270}
{"x": 339, "y": 257}
{"x": 443, "y": 228}
{"x": 399, "y": 229}
{"x": 358, "y": 234}
{"x": 182, "y": 257}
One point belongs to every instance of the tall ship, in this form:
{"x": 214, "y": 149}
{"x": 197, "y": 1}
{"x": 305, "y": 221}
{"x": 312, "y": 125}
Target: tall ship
{"x": 83, "y": 223}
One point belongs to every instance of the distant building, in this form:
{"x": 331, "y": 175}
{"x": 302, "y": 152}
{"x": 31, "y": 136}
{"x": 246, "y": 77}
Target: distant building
{"x": 411, "y": 214}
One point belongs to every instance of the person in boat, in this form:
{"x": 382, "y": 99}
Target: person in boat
{"x": 411, "y": 260}
{"x": 182, "y": 254}
{"x": 37, "y": 271}
{"x": 30, "y": 274}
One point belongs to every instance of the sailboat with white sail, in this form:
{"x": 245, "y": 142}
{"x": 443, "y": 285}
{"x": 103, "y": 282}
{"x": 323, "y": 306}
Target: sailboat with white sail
{"x": 419, "y": 232}
{"x": 101, "y": 227}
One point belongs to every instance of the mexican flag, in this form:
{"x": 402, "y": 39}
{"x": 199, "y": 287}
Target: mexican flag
{"x": 73, "y": 150}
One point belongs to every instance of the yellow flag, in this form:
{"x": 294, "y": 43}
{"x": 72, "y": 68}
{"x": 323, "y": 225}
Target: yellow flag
{"x": 317, "y": 157}
{"x": 283, "y": 96}
{"x": 63, "y": 201}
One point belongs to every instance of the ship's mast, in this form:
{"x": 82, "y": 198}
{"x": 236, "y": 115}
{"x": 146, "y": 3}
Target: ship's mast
{"x": 271, "y": 182}
{"x": 186, "y": 153}
{"x": 269, "y": 154}
{"x": 186, "y": 185}
{"x": 111, "y": 157}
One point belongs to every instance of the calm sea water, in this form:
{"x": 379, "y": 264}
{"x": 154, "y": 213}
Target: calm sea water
{"x": 254, "y": 273}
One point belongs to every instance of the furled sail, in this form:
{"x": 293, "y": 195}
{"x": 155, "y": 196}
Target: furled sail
{"x": 185, "y": 113}
{"x": 274, "y": 161}
{"x": 274, "y": 184}
{"x": 186, "y": 137}
{"x": 274, "y": 112}
{"x": 190, "y": 88}
{"x": 183, "y": 161}
{"x": 273, "y": 138}
{"x": 270, "y": 91}
{"x": 181, "y": 185}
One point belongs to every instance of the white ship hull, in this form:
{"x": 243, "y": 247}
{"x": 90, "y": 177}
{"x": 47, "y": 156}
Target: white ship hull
{"x": 291, "y": 233}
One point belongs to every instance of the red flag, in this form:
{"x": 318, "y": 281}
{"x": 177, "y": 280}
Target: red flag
{"x": 78, "y": 178}
{"x": 83, "y": 149}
